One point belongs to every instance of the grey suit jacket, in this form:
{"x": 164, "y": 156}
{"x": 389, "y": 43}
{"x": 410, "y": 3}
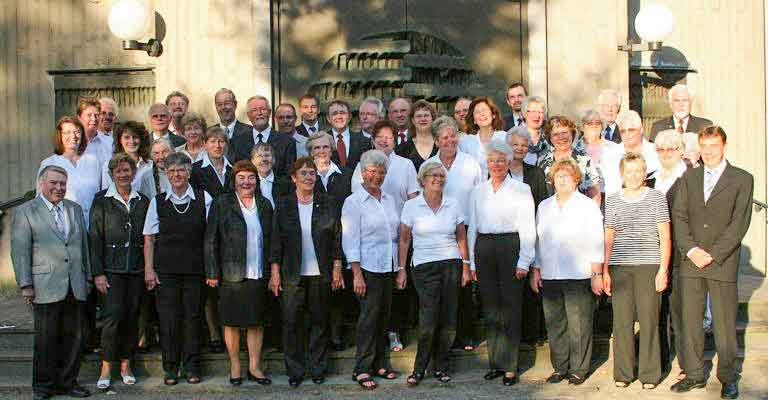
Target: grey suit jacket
{"x": 44, "y": 259}
{"x": 717, "y": 226}
{"x": 695, "y": 124}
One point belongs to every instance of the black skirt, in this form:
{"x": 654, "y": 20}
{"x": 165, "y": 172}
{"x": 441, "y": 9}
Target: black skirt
{"x": 242, "y": 304}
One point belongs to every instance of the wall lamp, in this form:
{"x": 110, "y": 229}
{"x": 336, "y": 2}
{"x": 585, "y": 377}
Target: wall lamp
{"x": 653, "y": 23}
{"x": 130, "y": 20}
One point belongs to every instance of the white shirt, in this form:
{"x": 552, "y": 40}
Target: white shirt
{"x": 147, "y": 186}
{"x": 183, "y": 149}
{"x": 370, "y": 231}
{"x": 471, "y": 145}
{"x": 265, "y": 184}
{"x": 152, "y": 221}
{"x": 397, "y": 137}
{"x": 344, "y": 138}
{"x": 112, "y": 192}
{"x": 62, "y": 210}
{"x": 366, "y": 134}
{"x": 434, "y": 234}
{"x": 685, "y": 120}
{"x": 324, "y": 178}
{"x": 141, "y": 168}
{"x": 308, "y": 127}
{"x": 83, "y": 179}
{"x": 309, "y": 264}
{"x": 207, "y": 161}
{"x": 463, "y": 176}
{"x": 253, "y": 235}
{"x": 166, "y": 135}
{"x": 509, "y": 209}
{"x": 265, "y": 135}
{"x": 400, "y": 181}
{"x": 611, "y": 158}
{"x": 229, "y": 129}
{"x": 101, "y": 146}
{"x": 301, "y": 145}
{"x": 718, "y": 171}
{"x": 663, "y": 185}
{"x": 570, "y": 238}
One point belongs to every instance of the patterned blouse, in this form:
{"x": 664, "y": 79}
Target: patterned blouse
{"x": 590, "y": 173}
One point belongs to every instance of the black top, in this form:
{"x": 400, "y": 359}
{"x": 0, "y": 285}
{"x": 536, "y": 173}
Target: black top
{"x": 206, "y": 179}
{"x": 115, "y": 235}
{"x": 408, "y": 150}
{"x": 179, "y": 244}
{"x": 283, "y": 147}
{"x": 534, "y": 177}
{"x": 339, "y": 185}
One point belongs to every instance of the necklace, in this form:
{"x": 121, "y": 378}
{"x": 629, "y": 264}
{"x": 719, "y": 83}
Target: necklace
{"x": 304, "y": 199}
{"x": 185, "y": 208}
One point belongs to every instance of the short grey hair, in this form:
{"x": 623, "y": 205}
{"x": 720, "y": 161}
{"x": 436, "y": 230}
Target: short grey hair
{"x": 50, "y": 168}
{"x": 317, "y": 136}
{"x": 374, "y": 158}
{"x": 164, "y": 142}
{"x": 498, "y": 146}
{"x": 224, "y": 91}
{"x": 605, "y": 94}
{"x": 629, "y": 119}
{"x": 533, "y": 100}
{"x": 112, "y": 102}
{"x": 669, "y": 138}
{"x": 678, "y": 88}
{"x": 591, "y": 115}
{"x": 441, "y": 123}
{"x": 519, "y": 131}
{"x": 426, "y": 168}
{"x": 259, "y": 97}
{"x": 375, "y": 101}
{"x": 178, "y": 160}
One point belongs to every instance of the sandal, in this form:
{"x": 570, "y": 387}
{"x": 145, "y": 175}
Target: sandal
{"x": 394, "y": 342}
{"x": 387, "y": 374}
{"x": 415, "y": 378}
{"x": 128, "y": 379}
{"x": 442, "y": 376}
{"x": 366, "y": 379}
{"x": 193, "y": 379}
{"x": 103, "y": 383}
{"x": 170, "y": 380}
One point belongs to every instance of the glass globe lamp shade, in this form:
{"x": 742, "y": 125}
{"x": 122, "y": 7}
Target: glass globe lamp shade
{"x": 129, "y": 19}
{"x": 654, "y": 22}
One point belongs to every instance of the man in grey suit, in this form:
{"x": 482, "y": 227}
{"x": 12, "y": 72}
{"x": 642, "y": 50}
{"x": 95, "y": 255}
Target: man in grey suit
{"x": 681, "y": 119}
{"x": 49, "y": 250}
{"x": 710, "y": 216}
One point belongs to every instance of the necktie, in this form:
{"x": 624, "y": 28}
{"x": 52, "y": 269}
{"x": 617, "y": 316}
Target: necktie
{"x": 313, "y": 129}
{"x": 519, "y": 121}
{"x": 341, "y": 150}
{"x": 59, "y": 218}
{"x": 260, "y": 137}
{"x": 680, "y": 126}
{"x": 607, "y": 133}
{"x": 400, "y": 137}
{"x": 226, "y": 130}
{"x": 709, "y": 183}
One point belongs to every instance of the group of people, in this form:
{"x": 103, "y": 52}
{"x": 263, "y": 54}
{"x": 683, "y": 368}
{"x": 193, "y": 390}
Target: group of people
{"x": 290, "y": 227}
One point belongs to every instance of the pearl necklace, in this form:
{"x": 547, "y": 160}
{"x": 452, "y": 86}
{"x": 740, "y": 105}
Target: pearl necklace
{"x": 185, "y": 208}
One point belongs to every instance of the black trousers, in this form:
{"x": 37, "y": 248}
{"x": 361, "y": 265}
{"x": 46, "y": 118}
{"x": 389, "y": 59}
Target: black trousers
{"x": 533, "y": 314}
{"x": 372, "y": 323}
{"x": 343, "y": 308}
{"x": 568, "y": 310}
{"x": 179, "y": 308}
{"x": 635, "y": 298}
{"x": 148, "y": 319}
{"x": 57, "y": 344}
{"x": 501, "y": 294}
{"x": 311, "y": 296}
{"x": 725, "y": 301}
{"x": 437, "y": 285}
{"x": 120, "y": 316}
{"x": 405, "y": 304}
{"x": 465, "y": 329}
{"x": 671, "y": 323}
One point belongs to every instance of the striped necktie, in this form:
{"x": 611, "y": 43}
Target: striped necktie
{"x": 709, "y": 183}
{"x": 58, "y": 216}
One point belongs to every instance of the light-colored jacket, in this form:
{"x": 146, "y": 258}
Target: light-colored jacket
{"x": 46, "y": 260}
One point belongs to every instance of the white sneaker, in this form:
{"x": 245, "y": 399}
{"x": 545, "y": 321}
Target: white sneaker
{"x": 394, "y": 342}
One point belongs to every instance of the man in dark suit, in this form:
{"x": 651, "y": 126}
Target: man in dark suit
{"x": 681, "y": 119}
{"x": 349, "y": 145}
{"x": 226, "y": 107}
{"x": 710, "y": 216}
{"x": 609, "y": 105}
{"x": 49, "y": 250}
{"x": 309, "y": 107}
{"x": 516, "y": 93}
{"x": 398, "y": 111}
{"x": 159, "y": 120}
{"x": 284, "y": 147}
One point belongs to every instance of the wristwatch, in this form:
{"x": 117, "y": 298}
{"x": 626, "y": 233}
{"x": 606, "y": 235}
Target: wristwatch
{"x": 594, "y": 274}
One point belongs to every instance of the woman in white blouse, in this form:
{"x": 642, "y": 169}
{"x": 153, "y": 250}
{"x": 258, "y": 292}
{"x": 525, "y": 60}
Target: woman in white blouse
{"x": 669, "y": 147}
{"x": 193, "y": 127}
{"x": 568, "y": 269}
{"x": 131, "y": 138}
{"x": 502, "y": 239}
{"x": 369, "y": 221}
{"x": 435, "y": 221}
{"x": 83, "y": 170}
{"x": 483, "y": 121}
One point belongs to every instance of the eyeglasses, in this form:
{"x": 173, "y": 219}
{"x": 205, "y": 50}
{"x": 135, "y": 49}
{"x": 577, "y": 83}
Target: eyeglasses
{"x": 435, "y": 176}
{"x": 498, "y": 161}
{"x": 375, "y": 171}
{"x": 667, "y": 149}
{"x": 306, "y": 173}
{"x": 593, "y": 123}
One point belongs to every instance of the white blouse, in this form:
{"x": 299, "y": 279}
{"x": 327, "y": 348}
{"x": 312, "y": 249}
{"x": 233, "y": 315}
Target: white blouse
{"x": 265, "y": 186}
{"x": 509, "y": 209}
{"x": 309, "y": 264}
{"x": 612, "y": 157}
{"x": 254, "y": 260}
{"x": 663, "y": 185}
{"x": 370, "y": 231}
{"x": 434, "y": 234}
{"x": 83, "y": 179}
{"x": 471, "y": 145}
{"x": 463, "y": 176}
{"x": 400, "y": 181}
{"x": 570, "y": 237}
{"x": 101, "y": 146}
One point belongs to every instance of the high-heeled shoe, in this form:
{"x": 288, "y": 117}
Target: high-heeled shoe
{"x": 261, "y": 381}
{"x": 235, "y": 381}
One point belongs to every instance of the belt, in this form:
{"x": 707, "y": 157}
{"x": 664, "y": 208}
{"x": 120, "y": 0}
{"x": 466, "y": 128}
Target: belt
{"x": 509, "y": 235}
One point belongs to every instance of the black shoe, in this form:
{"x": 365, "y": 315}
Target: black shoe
{"x": 575, "y": 379}
{"x": 556, "y": 377}
{"x": 510, "y": 381}
{"x": 337, "y": 345}
{"x": 78, "y": 391}
{"x": 216, "y": 346}
{"x": 729, "y": 391}
{"x": 294, "y": 382}
{"x": 687, "y": 384}
{"x": 41, "y": 396}
{"x": 318, "y": 380}
{"x": 493, "y": 374}
{"x": 235, "y": 381}
{"x": 261, "y": 381}
{"x": 143, "y": 349}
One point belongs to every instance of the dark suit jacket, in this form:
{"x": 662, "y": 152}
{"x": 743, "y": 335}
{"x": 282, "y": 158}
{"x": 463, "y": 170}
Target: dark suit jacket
{"x": 206, "y": 179}
{"x": 534, "y": 177}
{"x": 717, "y": 226}
{"x": 695, "y": 124}
{"x": 284, "y": 148}
{"x": 286, "y": 244}
{"x": 225, "y": 233}
{"x": 339, "y": 185}
{"x": 509, "y": 122}
{"x": 175, "y": 139}
{"x": 615, "y": 136}
{"x": 671, "y": 194}
{"x": 358, "y": 144}
{"x": 240, "y": 129}
{"x": 303, "y": 131}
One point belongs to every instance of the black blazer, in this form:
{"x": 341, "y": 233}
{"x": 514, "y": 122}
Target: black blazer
{"x": 509, "y": 122}
{"x": 717, "y": 226}
{"x": 304, "y": 132}
{"x": 206, "y": 179}
{"x": 616, "y": 136}
{"x": 339, "y": 185}
{"x": 695, "y": 124}
{"x": 240, "y": 129}
{"x": 671, "y": 193}
{"x": 225, "y": 243}
{"x": 283, "y": 146}
{"x": 408, "y": 150}
{"x": 111, "y": 227}
{"x": 358, "y": 144}
{"x": 326, "y": 236}
{"x": 175, "y": 139}
{"x": 534, "y": 177}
